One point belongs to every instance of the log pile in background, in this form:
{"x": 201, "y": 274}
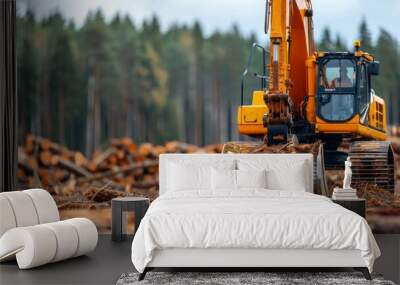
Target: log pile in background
{"x": 77, "y": 182}
{"x": 123, "y": 168}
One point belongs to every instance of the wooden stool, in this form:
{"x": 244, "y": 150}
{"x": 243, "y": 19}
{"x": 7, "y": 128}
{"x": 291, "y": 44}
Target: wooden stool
{"x": 120, "y": 206}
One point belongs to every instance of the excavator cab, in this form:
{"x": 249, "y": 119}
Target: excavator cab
{"x": 337, "y": 87}
{"x": 346, "y": 103}
{"x": 347, "y": 107}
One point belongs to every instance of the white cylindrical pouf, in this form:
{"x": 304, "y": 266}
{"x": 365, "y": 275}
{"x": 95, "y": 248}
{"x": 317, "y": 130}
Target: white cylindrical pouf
{"x": 45, "y": 205}
{"x": 87, "y": 234}
{"x": 7, "y": 218}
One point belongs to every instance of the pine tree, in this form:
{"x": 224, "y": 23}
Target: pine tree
{"x": 339, "y": 44}
{"x": 27, "y": 74}
{"x": 365, "y": 37}
{"x": 326, "y": 43}
{"x": 95, "y": 40}
{"x": 126, "y": 53}
{"x": 386, "y": 84}
{"x": 62, "y": 74}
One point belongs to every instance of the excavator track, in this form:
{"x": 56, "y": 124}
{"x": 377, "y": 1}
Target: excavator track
{"x": 373, "y": 163}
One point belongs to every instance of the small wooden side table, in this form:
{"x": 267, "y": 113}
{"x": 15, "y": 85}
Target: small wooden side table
{"x": 356, "y": 205}
{"x": 119, "y": 207}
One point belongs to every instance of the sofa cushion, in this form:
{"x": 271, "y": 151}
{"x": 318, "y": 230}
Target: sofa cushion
{"x": 32, "y": 246}
{"x": 45, "y": 205}
{"x": 26, "y": 208}
{"x": 87, "y": 235}
{"x": 7, "y": 218}
{"x": 67, "y": 240}
{"x": 23, "y": 208}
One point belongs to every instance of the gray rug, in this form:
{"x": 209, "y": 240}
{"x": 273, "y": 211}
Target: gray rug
{"x": 269, "y": 278}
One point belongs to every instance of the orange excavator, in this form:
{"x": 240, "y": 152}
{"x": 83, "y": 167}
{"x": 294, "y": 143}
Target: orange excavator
{"x": 307, "y": 95}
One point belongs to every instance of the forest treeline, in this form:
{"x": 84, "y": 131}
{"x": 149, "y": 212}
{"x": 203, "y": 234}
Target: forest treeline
{"x": 80, "y": 86}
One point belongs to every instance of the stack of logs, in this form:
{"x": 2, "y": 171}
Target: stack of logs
{"x": 79, "y": 184}
{"x": 123, "y": 168}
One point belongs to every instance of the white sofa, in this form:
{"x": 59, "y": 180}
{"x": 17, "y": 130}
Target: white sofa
{"x": 31, "y": 231}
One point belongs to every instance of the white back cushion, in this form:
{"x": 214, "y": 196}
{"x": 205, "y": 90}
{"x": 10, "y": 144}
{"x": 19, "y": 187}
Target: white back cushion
{"x": 45, "y": 205}
{"x": 26, "y": 208}
{"x": 253, "y": 162}
{"x": 7, "y": 219}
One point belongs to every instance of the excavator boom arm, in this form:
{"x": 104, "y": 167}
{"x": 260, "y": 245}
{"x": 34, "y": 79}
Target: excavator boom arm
{"x": 291, "y": 43}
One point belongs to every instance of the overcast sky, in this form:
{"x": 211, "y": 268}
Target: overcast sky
{"x": 342, "y": 16}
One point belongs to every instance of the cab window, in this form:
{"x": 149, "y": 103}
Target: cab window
{"x": 363, "y": 90}
{"x": 338, "y": 73}
{"x": 336, "y": 107}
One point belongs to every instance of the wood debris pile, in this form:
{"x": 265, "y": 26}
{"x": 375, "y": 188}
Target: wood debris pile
{"x": 396, "y": 150}
{"x": 257, "y": 147}
{"x": 76, "y": 181}
{"x": 383, "y": 211}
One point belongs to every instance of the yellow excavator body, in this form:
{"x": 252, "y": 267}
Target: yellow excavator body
{"x": 250, "y": 117}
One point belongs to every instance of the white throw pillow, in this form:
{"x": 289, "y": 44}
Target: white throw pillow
{"x": 223, "y": 179}
{"x": 227, "y": 179}
{"x": 194, "y": 174}
{"x": 182, "y": 177}
{"x": 251, "y": 178}
{"x": 278, "y": 179}
{"x": 283, "y": 173}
